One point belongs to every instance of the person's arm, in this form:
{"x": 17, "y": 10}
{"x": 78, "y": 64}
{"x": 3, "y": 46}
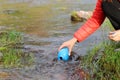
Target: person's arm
{"x": 88, "y": 28}
{"x": 91, "y": 24}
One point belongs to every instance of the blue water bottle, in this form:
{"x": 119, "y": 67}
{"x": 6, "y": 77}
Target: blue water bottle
{"x": 63, "y": 54}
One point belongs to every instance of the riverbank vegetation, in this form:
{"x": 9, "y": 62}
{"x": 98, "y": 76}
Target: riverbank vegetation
{"x": 11, "y": 50}
{"x": 103, "y": 61}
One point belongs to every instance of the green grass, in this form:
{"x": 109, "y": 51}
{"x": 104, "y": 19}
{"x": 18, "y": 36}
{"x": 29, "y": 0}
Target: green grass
{"x": 103, "y": 62}
{"x": 11, "y": 44}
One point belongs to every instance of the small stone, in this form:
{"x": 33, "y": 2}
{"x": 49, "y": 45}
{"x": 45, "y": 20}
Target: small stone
{"x": 80, "y": 16}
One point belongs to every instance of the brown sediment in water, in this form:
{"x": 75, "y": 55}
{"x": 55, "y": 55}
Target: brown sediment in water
{"x": 4, "y": 75}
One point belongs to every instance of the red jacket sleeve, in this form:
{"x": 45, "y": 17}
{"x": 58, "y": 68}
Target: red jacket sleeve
{"x": 92, "y": 24}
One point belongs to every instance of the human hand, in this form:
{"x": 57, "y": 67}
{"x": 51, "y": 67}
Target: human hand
{"x": 115, "y": 35}
{"x": 70, "y": 43}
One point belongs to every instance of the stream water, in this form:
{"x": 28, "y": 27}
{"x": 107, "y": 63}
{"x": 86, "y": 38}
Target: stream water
{"x": 44, "y": 42}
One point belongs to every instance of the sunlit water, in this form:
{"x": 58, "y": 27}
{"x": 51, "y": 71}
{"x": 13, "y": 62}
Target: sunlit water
{"x": 45, "y": 42}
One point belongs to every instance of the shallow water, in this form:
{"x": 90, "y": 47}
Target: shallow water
{"x": 44, "y": 39}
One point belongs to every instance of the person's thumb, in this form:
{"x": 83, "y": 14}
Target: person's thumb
{"x": 69, "y": 52}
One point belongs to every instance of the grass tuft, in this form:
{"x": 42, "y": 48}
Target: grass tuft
{"x": 11, "y": 45}
{"x": 103, "y": 62}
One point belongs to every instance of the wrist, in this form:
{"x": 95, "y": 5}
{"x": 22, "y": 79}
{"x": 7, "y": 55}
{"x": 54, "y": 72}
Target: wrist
{"x": 74, "y": 39}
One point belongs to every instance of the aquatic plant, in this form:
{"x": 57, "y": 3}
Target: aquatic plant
{"x": 11, "y": 45}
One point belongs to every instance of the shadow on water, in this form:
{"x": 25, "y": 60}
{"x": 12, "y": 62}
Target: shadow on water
{"x": 46, "y": 25}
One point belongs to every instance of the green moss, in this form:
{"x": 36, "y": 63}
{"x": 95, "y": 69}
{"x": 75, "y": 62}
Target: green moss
{"x": 75, "y": 17}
